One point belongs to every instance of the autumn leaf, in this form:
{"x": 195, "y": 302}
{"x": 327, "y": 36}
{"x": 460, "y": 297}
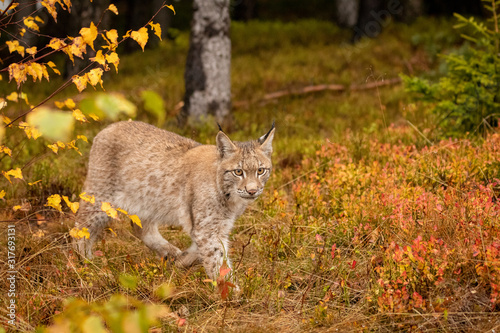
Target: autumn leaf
{"x": 53, "y": 67}
{"x": 31, "y": 51}
{"x": 80, "y": 82}
{"x": 51, "y": 8}
{"x": 136, "y": 220}
{"x": 15, "y": 47}
{"x": 83, "y": 138}
{"x": 94, "y": 76}
{"x": 6, "y": 150}
{"x": 56, "y": 44}
{"x": 113, "y": 9}
{"x": 77, "y": 48}
{"x": 31, "y": 132}
{"x": 17, "y": 72}
{"x": 140, "y": 36}
{"x": 156, "y": 28}
{"x": 87, "y": 198}
{"x": 99, "y": 58}
{"x": 16, "y": 173}
{"x": 89, "y": 34}
{"x": 112, "y": 36}
{"x": 110, "y": 211}
{"x": 35, "y": 182}
{"x": 113, "y": 58}
{"x": 54, "y": 201}
{"x": 72, "y": 205}
{"x": 79, "y": 233}
{"x": 122, "y": 211}
{"x": 78, "y": 115}
{"x": 2, "y": 194}
{"x": 170, "y": 7}
{"x": 29, "y": 22}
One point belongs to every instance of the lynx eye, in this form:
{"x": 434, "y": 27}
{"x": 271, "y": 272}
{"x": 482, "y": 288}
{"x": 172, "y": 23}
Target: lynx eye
{"x": 238, "y": 172}
{"x": 261, "y": 171}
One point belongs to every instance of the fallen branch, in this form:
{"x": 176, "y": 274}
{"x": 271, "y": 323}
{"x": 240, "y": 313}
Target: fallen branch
{"x": 310, "y": 89}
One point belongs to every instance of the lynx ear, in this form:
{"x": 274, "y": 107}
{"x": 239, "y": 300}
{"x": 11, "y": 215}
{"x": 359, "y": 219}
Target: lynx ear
{"x": 224, "y": 144}
{"x": 266, "y": 141}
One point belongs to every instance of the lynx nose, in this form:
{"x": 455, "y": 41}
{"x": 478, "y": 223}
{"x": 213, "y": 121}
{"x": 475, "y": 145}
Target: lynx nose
{"x": 251, "y": 191}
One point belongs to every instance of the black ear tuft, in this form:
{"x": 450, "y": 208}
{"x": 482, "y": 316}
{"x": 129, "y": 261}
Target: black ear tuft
{"x": 265, "y": 136}
{"x": 220, "y": 128}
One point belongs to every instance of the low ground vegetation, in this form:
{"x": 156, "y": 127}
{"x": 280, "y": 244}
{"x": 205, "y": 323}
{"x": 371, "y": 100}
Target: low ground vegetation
{"x": 372, "y": 220}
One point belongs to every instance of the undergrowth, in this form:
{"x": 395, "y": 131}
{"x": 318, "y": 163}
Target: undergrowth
{"x": 369, "y": 223}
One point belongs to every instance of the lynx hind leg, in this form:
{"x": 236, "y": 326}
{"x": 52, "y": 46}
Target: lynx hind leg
{"x": 95, "y": 221}
{"x": 150, "y": 235}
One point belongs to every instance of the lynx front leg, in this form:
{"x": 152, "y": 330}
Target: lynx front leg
{"x": 212, "y": 253}
{"x": 95, "y": 221}
{"x": 154, "y": 240}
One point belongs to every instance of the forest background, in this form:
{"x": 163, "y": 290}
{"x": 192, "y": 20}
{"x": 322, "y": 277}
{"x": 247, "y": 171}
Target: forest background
{"x": 381, "y": 214}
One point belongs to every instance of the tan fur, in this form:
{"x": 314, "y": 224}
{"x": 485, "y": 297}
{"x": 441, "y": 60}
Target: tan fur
{"x": 166, "y": 179}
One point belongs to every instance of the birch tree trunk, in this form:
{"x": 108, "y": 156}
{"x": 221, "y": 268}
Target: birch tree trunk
{"x": 208, "y": 67}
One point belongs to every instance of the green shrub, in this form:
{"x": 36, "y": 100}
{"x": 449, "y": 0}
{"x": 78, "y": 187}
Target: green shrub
{"x": 467, "y": 98}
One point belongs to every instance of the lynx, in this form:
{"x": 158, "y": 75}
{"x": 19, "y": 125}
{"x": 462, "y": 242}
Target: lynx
{"x": 166, "y": 179}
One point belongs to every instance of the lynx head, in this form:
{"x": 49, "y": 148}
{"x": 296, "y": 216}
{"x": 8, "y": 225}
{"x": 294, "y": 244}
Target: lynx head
{"x": 244, "y": 167}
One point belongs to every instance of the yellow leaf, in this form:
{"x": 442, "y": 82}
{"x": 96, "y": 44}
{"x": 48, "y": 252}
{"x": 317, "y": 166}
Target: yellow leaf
{"x": 89, "y": 34}
{"x": 70, "y": 103}
{"x": 110, "y": 211}
{"x": 16, "y": 173}
{"x": 6, "y": 150}
{"x": 78, "y": 115}
{"x": 79, "y": 233}
{"x": 122, "y": 211}
{"x": 99, "y": 58}
{"x": 16, "y": 208}
{"x": 12, "y": 97}
{"x": 33, "y": 183}
{"x": 80, "y": 82}
{"x": 72, "y": 205}
{"x": 15, "y": 47}
{"x": 87, "y": 198}
{"x": 156, "y": 28}
{"x": 54, "y": 201}
{"x": 31, "y": 51}
{"x": 113, "y": 58}
{"x": 83, "y": 138}
{"x": 114, "y": 233}
{"x": 140, "y": 36}
{"x": 54, "y": 148}
{"x": 56, "y": 44}
{"x": 22, "y": 32}
{"x": 113, "y": 9}
{"x": 2, "y": 194}
{"x": 78, "y": 47}
{"x": 51, "y": 8}
{"x": 94, "y": 76}
{"x": 53, "y": 66}
{"x": 29, "y": 22}
{"x": 136, "y": 220}
{"x": 94, "y": 116}
{"x": 60, "y": 144}
{"x": 38, "y": 19}
{"x": 112, "y": 35}
{"x": 31, "y": 132}
{"x": 17, "y": 72}
{"x": 170, "y": 7}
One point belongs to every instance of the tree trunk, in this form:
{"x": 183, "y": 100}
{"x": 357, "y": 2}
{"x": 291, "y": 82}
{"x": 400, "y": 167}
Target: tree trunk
{"x": 346, "y": 12}
{"x": 208, "y": 66}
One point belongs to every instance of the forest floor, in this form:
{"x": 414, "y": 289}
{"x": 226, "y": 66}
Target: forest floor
{"x": 370, "y": 222}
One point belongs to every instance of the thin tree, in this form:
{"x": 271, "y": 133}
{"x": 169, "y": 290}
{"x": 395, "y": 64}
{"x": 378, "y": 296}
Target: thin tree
{"x": 208, "y": 66}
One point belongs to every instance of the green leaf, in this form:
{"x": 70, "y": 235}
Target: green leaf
{"x": 128, "y": 281}
{"x": 113, "y": 104}
{"x": 153, "y": 103}
{"x": 53, "y": 124}
{"x": 93, "y": 324}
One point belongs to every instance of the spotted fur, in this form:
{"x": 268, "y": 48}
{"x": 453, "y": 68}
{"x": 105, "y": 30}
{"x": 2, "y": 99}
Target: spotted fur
{"x": 167, "y": 179}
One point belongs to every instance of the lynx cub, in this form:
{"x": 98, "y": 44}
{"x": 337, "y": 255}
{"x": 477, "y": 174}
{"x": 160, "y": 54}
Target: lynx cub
{"x": 167, "y": 179}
